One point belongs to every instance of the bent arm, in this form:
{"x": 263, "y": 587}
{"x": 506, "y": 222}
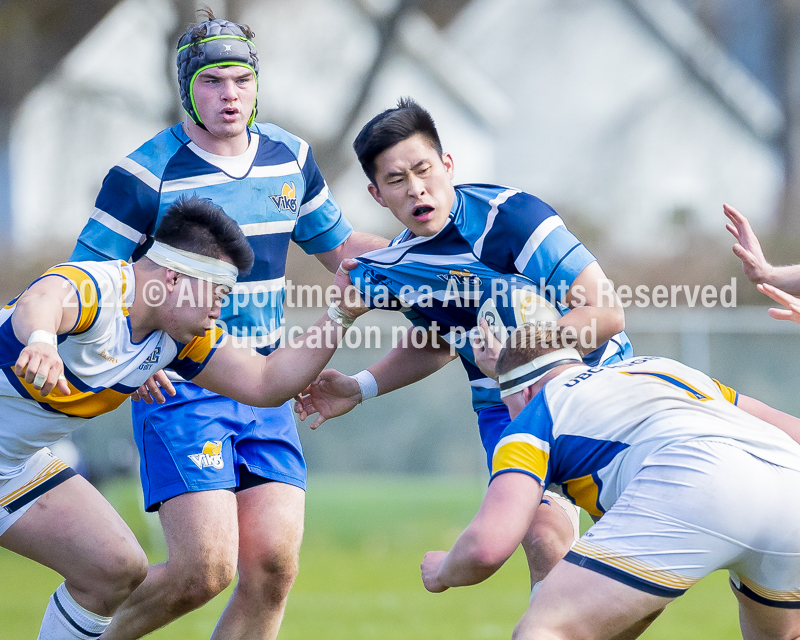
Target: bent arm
{"x": 783, "y": 421}
{"x": 595, "y": 308}
{"x": 269, "y": 381}
{"x": 356, "y": 244}
{"x": 49, "y": 304}
{"x": 496, "y": 531}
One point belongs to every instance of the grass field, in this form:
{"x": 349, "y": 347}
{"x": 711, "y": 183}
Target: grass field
{"x": 359, "y": 576}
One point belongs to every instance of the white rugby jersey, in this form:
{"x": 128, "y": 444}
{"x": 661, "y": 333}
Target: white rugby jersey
{"x": 102, "y": 364}
{"x": 589, "y": 430}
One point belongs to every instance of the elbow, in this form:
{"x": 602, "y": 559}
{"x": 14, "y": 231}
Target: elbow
{"x": 488, "y": 553}
{"x": 617, "y": 320}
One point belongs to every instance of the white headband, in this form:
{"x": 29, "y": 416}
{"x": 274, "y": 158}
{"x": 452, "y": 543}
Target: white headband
{"x": 193, "y": 265}
{"x": 531, "y": 372}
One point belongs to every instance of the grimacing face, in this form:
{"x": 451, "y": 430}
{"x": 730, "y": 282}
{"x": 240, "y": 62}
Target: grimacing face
{"x": 224, "y": 98}
{"x": 415, "y": 183}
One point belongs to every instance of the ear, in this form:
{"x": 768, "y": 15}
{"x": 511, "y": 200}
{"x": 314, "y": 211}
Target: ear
{"x": 171, "y": 280}
{"x": 449, "y": 164}
{"x": 376, "y": 194}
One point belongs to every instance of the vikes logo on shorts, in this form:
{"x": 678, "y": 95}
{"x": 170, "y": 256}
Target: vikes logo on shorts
{"x": 211, "y": 456}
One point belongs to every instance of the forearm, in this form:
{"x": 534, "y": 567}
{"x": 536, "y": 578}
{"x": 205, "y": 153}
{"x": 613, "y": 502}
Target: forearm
{"x": 295, "y": 365}
{"x": 594, "y": 325}
{"x": 786, "y": 278}
{"x": 783, "y": 421}
{"x": 355, "y": 245}
{"x": 467, "y": 562}
{"x": 407, "y": 364}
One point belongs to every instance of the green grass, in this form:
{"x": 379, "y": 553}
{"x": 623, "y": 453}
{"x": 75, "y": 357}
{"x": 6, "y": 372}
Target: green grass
{"x": 359, "y": 574}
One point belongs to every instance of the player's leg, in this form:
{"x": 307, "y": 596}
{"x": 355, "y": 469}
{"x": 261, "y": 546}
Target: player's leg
{"x": 270, "y": 533}
{"x": 271, "y": 495}
{"x": 202, "y": 541}
{"x": 762, "y": 622}
{"x": 73, "y": 530}
{"x": 549, "y": 538}
{"x": 576, "y": 603}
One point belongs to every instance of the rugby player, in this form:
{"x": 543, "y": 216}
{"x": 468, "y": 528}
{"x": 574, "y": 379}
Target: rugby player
{"x": 683, "y": 483}
{"x": 75, "y": 344}
{"x": 457, "y": 240}
{"x": 267, "y": 180}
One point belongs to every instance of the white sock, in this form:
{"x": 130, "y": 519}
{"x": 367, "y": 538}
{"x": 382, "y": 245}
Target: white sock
{"x": 65, "y": 619}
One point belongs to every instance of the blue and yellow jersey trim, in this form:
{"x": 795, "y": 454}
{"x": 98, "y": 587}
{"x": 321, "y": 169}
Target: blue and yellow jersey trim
{"x": 731, "y": 395}
{"x": 764, "y": 595}
{"x": 522, "y": 452}
{"x": 86, "y": 290}
{"x": 585, "y": 492}
{"x": 194, "y": 356}
{"x": 81, "y": 403}
{"x": 692, "y": 391}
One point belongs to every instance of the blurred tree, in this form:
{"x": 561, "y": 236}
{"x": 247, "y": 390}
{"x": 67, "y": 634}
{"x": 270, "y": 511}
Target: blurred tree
{"x": 34, "y": 36}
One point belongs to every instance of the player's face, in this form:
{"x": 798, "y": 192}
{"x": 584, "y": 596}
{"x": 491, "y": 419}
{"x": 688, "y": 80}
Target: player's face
{"x": 415, "y": 183}
{"x": 197, "y": 305}
{"x": 224, "y": 98}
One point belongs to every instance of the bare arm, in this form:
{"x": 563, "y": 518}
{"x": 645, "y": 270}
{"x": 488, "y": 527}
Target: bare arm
{"x": 334, "y": 393}
{"x": 49, "y": 305}
{"x": 356, "y": 244}
{"x": 783, "y": 421}
{"x": 755, "y": 265}
{"x": 247, "y": 377}
{"x": 594, "y": 305}
{"x": 496, "y": 531}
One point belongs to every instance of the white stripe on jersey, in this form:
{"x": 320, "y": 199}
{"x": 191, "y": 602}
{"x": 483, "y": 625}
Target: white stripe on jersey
{"x": 495, "y": 203}
{"x": 109, "y": 221}
{"x": 484, "y": 383}
{"x": 524, "y": 437}
{"x": 137, "y": 170}
{"x": 315, "y": 203}
{"x": 268, "y": 228}
{"x": 213, "y": 179}
{"x": 537, "y": 237}
{"x": 259, "y": 286}
{"x": 302, "y": 154}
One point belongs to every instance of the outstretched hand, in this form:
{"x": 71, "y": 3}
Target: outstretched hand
{"x": 792, "y": 304}
{"x": 747, "y": 247}
{"x": 331, "y": 395}
{"x": 486, "y": 348}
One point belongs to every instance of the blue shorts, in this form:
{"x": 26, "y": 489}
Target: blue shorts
{"x": 492, "y": 421}
{"x": 198, "y": 441}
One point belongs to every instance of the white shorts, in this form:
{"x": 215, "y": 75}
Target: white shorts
{"x": 43, "y": 471}
{"x": 696, "y": 507}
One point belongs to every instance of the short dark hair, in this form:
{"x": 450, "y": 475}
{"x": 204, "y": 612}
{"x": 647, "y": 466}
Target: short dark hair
{"x": 200, "y": 226}
{"x": 390, "y": 127}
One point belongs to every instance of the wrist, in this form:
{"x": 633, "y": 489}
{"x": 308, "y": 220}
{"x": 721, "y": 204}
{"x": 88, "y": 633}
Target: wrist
{"x": 340, "y": 317}
{"x": 367, "y": 383}
{"x": 41, "y": 335}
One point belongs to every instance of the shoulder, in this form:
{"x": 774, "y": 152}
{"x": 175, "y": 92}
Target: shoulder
{"x": 272, "y": 133}
{"x": 149, "y": 162}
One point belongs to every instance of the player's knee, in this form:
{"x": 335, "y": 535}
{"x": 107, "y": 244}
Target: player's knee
{"x": 192, "y": 585}
{"x": 550, "y": 536}
{"x": 116, "y": 577}
{"x": 272, "y": 577}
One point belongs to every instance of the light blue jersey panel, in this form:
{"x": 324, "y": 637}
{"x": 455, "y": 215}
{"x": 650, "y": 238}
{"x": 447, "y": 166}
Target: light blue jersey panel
{"x": 280, "y": 197}
{"x": 492, "y": 231}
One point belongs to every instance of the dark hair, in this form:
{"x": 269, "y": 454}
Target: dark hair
{"x": 200, "y": 30}
{"x": 200, "y": 226}
{"x": 390, "y": 127}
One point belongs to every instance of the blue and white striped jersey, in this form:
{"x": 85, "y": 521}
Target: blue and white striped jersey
{"x": 589, "y": 430}
{"x": 274, "y": 190}
{"x": 492, "y": 231}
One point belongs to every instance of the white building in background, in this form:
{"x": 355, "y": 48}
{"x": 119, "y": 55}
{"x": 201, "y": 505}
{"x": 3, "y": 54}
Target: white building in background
{"x": 572, "y": 100}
